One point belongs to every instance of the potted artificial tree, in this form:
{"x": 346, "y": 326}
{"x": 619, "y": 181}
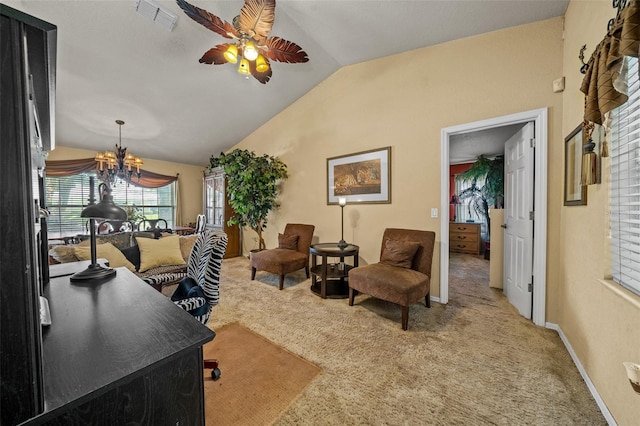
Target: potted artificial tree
{"x": 252, "y": 187}
{"x": 491, "y": 193}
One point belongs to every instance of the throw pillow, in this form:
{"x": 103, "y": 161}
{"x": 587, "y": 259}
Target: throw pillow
{"x": 164, "y": 251}
{"x": 399, "y": 253}
{"x": 289, "y": 242}
{"x": 107, "y": 251}
{"x": 186, "y": 244}
{"x": 63, "y": 254}
{"x": 133, "y": 255}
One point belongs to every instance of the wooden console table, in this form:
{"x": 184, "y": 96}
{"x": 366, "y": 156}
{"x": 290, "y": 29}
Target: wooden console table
{"x": 331, "y": 280}
{"x": 119, "y": 352}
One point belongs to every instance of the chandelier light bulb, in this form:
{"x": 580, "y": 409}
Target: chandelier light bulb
{"x": 250, "y": 51}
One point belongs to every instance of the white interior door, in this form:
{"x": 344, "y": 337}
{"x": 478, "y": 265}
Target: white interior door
{"x": 518, "y": 220}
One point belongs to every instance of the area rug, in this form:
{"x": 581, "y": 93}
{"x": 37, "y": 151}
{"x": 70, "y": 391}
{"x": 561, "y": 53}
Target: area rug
{"x": 259, "y": 379}
{"x": 474, "y": 361}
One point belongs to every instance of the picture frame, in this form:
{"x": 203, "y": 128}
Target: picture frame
{"x": 575, "y": 194}
{"x": 363, "y": 177}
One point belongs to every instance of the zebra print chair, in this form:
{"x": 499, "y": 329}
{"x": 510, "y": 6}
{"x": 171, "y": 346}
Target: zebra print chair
{"x": 198, "y": 292}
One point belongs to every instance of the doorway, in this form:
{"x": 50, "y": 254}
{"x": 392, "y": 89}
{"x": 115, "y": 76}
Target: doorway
{"x": 540, "y": 120}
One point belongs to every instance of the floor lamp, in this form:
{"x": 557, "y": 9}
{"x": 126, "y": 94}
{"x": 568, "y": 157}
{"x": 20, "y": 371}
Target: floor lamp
{"x": 105, "y": 209}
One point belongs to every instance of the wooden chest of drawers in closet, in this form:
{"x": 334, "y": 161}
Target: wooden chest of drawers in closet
{"x": 464, "y": 237}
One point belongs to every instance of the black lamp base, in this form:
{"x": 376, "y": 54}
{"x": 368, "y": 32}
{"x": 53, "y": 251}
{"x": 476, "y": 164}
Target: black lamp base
{"x": 93, "y": 272}
{"x": 342, "y": 244}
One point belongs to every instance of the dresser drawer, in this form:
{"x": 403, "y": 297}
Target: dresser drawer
{"x": 464, "y": 237}
{"x": 464, "y": 228}
{"x": 462, "y": 247}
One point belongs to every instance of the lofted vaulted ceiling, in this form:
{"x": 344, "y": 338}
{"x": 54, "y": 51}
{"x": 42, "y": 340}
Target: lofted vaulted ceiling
{"x": 115, "y": 64}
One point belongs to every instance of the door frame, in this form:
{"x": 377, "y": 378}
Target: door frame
{"x": 540, "y": 119}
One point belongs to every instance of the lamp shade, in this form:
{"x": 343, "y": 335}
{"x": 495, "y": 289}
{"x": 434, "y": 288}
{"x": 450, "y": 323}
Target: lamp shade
{"x": 231, "y": 54}
{"x": 244, "y": 67}
{"x": 106, "y": 208}
{"x": 261, "y": 64}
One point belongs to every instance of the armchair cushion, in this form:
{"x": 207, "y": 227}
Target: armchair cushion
{"x": 279, "y": 261}
{"x": 190, "y": 297}
{"x": 289, "y": 242}
{"x": 402, "y": 286}
{"x": 165, "y": 251}
{"x": 399, "y": 253}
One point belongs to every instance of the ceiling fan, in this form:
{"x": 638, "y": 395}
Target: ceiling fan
{"x": 253, "y": 47}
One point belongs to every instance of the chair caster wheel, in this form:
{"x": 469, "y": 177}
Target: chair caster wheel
{"x": 215, "y": 373}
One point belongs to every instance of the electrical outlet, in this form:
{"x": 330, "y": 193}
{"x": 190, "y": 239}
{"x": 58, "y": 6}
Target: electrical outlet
{"x": 434, "y": 212}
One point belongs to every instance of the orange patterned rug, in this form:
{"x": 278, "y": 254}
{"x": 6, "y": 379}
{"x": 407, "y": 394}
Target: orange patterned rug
{"x": 259, "y": 379}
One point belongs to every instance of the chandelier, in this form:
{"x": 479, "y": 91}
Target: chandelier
{"x": 112, "y": 166}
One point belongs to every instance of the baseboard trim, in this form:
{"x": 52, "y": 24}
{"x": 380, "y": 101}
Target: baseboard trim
{"x": 594, "y": 392}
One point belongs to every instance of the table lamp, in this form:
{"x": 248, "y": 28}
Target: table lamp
{"x": 342, "y": 201}
{"x": 105, "y": 209}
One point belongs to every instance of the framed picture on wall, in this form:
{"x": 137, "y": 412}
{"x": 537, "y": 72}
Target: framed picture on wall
{"x": 363, "y": 177}
{"x": 575, "y": 194}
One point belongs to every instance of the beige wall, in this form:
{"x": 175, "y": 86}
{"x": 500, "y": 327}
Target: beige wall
{"x": 189, "y": 182}
{"x": 404, "y": 101}
{"x": 600, "y": 320}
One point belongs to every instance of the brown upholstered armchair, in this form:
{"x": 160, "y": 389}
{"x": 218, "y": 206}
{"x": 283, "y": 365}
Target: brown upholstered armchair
{"x": 292, "y": 253}
{"x": 403, "y": 275}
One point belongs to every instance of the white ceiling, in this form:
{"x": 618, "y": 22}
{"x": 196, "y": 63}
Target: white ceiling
{"x": 466, "y": 147}
{"x": 115, "y": 64}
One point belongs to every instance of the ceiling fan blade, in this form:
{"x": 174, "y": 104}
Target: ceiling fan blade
{"x": 256, "y": 18}
{"x": 262, "y": 77}
{"x": 215, "y": 55}
{"x": 209, "y": 20}
{"x": 283, "y": 50}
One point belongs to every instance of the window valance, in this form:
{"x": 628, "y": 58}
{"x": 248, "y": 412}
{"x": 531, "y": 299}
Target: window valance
{"x": 73, "y": 167}
{"x": 604, "y": 83}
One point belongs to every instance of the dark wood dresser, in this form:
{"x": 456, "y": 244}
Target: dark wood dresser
{"x": 464, "y": 237}
{"x": 119, "y": 352}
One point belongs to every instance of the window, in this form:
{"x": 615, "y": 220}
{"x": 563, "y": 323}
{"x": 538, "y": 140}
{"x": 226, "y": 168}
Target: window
{"x": 67, "y": 196}
{"x": 625, "y": 186}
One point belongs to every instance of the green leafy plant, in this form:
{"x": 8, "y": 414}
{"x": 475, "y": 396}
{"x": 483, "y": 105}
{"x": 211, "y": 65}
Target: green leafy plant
{"x": 134, "y": 213}
{"x": 491, "y": 193}
{"x": 252, "y": 187}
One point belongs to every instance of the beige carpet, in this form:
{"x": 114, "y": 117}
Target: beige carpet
{"x": 258, "y": 382}
{"x": 474, "y": 361}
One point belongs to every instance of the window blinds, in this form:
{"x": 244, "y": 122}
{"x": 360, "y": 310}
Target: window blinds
{"x": 625, "y": 186}
{"x": 67, "y": 196}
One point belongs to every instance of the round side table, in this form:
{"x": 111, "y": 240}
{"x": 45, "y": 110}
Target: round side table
{"x": 330, "y": 280}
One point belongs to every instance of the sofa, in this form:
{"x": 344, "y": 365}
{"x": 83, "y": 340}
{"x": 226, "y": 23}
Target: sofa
{"x": 147, "y": 254}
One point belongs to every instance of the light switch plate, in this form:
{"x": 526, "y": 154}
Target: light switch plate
{"x": 434, "y": 212}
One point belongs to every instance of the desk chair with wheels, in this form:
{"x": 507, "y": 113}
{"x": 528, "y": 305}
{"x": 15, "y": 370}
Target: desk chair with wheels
{"x": 199, "y": 290}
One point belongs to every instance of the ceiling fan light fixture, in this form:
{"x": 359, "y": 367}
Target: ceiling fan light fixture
{"x": 244, "y": 67}
{"x": 231, "y": 54}
{"x": 250, "y": 52}
{"x": 261, "y": 64}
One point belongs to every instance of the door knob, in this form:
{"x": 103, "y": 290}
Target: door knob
{"x": 504, "y": 225}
